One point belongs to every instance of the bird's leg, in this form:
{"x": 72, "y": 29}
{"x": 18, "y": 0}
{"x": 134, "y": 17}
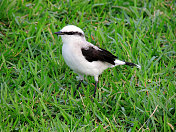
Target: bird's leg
{"x": 77, "y": 88}
{"x": 79, "y": 84}
{"x": 81, "y": 77}
{"x": 96, "y": 83}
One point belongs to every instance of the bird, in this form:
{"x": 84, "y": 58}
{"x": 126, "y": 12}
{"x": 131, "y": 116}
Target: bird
{"x": 83, "y": 57}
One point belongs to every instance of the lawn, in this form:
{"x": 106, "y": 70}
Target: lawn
{"x": 37, "y": 87}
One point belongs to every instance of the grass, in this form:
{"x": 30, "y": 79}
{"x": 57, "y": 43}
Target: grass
{"x": 36, "y": 86}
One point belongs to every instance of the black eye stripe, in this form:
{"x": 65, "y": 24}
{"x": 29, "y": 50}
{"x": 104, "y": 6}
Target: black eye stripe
{"x": 73, "y": 33}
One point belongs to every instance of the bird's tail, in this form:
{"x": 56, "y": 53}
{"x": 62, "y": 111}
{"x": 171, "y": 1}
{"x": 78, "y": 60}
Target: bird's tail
{"x": 119, "y": 62}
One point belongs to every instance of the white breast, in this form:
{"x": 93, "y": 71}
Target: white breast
{"x": 70, "y": 57}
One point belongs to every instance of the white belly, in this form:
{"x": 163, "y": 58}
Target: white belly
{"x": 76, "y": 61}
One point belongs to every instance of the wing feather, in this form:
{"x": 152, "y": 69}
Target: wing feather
{"x": 98, "y": 54}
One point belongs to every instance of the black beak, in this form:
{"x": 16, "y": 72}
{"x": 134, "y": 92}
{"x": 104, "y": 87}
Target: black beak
{"x": 59, "y": 33}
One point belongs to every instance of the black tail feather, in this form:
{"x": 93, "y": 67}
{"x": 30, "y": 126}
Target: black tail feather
{"x": 132, "y": 64}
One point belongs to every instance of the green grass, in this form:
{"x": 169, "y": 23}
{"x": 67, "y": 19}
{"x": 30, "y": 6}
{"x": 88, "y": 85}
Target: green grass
{"x": 36, "y": 86}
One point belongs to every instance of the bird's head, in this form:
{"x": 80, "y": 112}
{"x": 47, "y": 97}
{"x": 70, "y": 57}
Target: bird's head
{"x": 71, "y": 33}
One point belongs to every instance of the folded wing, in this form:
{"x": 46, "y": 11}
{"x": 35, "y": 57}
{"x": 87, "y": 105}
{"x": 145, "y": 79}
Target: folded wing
{"x": 98, "y": 54}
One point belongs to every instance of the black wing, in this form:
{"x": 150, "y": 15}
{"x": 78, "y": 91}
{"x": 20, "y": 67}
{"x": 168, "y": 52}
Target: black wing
{"x": 92, "y": 54}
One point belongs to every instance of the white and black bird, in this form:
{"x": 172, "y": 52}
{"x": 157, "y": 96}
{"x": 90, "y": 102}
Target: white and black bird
{"x": 85, "y": 58}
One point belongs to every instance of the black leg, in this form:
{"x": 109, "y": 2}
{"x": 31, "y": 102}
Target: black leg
{"x": 77, "y": 88}
{"x": 96, "y": 83}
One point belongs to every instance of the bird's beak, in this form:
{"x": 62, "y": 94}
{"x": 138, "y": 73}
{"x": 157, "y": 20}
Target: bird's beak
{"x": 59, "y": 33}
